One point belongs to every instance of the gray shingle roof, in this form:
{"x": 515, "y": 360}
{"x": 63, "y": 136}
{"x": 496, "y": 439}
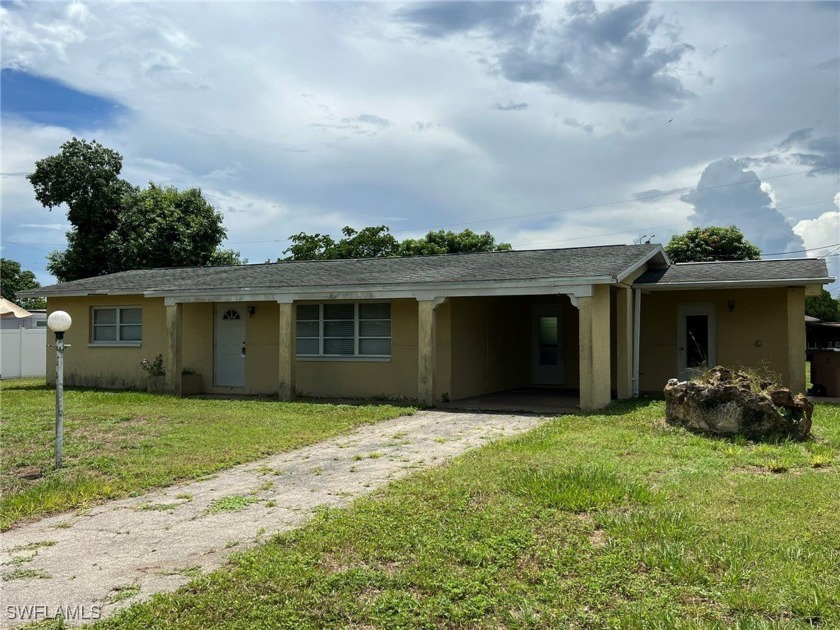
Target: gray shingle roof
{"x": 790, "y": 270}
{"x": 572, "y": 263}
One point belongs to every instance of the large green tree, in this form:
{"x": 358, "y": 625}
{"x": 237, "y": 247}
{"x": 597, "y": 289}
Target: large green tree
{"x": 823, "y": 307}
{"x": 377, "y": 241}
{"x": 14, "y": 279}
{"x": 447, "y": 242}
{"x": 161, "y": 226}
{"x": 705, "y": 244}
{"x": 85, "y": 177}
{"x": 116, "y": 226}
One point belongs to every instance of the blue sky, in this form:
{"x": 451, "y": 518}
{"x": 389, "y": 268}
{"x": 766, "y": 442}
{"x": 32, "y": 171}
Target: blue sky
{"x": 549, "y": 124}
{"x": 48, "y": 102}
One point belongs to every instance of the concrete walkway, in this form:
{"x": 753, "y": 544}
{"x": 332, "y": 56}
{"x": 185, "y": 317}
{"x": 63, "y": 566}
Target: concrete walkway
{"x": 94, "y": 563}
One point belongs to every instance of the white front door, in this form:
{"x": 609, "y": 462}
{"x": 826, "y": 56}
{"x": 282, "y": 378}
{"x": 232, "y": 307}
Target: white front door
{"x": 548, "y": 353}
{"x": 696, "y": 339}
{"x": 229, "y": 350}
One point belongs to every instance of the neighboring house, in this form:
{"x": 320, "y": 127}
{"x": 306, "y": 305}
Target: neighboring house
{"x": 36, "y": 319}
{"x": 822, "y": 334}
{"x": 603, "y": 321}
{"x": 22, "y": 341}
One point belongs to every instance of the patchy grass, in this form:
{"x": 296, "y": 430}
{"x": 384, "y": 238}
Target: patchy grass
{"x": 611, "y": 520}
{"x": 233, "y": 503}
{"x": 121, "y": 593}
{"x": 26, "y": 574}
{"x": 119, "y": 443}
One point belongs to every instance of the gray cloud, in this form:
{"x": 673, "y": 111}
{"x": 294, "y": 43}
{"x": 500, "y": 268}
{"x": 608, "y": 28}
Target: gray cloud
{"x": 796, "y": 138}
{"x": 831, "y": 64}
{"x": 441, "y": 19}
{"x": 363, "y": 124}
{"x": 655, "y": 194}
{"x": 591, "y": 55}
{"x": 511, "y": 107}
{"x": 600, "y": 56}
{"x": 369, "y": 119}
{"x": 822, "y": 155}
{"x": 728, "y": 195}
{"x": 574, "y": 123}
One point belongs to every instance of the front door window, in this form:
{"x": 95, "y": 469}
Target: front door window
{"x": 548, "y": 355}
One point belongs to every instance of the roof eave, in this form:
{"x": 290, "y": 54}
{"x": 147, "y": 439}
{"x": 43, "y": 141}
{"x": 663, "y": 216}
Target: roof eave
{"x": 443, "y": 289}
{"x": 644, "y": 260}
{"x": 725, "y": 284}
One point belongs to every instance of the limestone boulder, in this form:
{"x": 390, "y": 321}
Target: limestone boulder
{"x": 727, "y": 402}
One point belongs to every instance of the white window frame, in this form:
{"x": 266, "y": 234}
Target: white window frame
{"x": 356, "y": 356}
{"x": 118, "y": 324}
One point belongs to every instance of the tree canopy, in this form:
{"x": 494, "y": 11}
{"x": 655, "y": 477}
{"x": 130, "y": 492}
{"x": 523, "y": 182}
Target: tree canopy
{"x": 705, "y": 244}
{"x": 377, "y": 241}
{"x": 13, "y": 280}
{"x": 117, "y": 226}
{"x": 823, "y": 307}
{"x": 163, "y": 227}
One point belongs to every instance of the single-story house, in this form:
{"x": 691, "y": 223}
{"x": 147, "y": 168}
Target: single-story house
{"x": 608, "y": 321}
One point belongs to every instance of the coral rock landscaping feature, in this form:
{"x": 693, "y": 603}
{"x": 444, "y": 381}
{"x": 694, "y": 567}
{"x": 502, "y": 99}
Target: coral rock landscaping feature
{"x": 727, "y": 402}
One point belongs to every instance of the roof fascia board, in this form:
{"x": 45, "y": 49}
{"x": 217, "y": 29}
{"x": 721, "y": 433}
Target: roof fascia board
{"x": 727, "y": 284}
{"x": 578, "y": 290}
{"x": 100, "y": 293}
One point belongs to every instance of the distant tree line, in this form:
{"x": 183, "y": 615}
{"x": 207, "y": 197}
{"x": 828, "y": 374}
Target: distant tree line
{"x": 13, "y": 280}
{"x": 377, "y": 242}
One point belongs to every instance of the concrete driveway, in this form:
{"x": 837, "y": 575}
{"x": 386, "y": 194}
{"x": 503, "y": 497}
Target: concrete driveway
{"x": 88, "y": 565}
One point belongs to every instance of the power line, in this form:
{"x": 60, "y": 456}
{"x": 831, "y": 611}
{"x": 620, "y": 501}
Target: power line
{"x": 613, "y": 203}
{"x": 801, "y": 251}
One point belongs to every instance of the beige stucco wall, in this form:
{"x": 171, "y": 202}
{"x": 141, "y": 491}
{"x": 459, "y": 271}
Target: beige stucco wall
{"x": 102, "y": 366}
{"x": 762, "y": 331}
{"x": 355, "y": 378}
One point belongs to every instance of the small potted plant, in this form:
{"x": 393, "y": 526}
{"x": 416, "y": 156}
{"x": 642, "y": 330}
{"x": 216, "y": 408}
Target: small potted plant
{"x": 191, "y": 382}
{"x": 156, "y": 383}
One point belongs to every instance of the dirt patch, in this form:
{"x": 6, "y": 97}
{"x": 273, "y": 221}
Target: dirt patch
{"x": 598, "y": 538}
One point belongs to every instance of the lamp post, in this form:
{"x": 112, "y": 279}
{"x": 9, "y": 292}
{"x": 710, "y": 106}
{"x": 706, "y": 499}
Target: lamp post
{"x": 59, "y": 322}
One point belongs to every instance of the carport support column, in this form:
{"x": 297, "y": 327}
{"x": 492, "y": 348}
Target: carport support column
{"x": 796, "y": 339}
{"x": 174, "y": 338}
{"x": 624, "y": 342}
{"x": 286, "y": 351}
{"x": 594, "y": 348}
{"x": 426, "y": 344}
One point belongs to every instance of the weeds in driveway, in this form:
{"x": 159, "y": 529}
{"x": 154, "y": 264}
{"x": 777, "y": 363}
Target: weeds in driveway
{"x": 118, "y": 443}
{"x": 609, "y": 520}
{"x": 232, "y": 503}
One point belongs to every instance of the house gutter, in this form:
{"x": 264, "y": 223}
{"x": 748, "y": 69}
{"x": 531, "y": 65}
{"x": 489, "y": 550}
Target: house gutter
{"x": 732, "y": 284}
{"x": 421, "y": 290}
{"x": 637, "y": 336}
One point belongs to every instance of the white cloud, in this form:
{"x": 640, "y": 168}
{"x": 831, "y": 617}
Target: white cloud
{"x": 821, "y": 235}
{"x": 309, "y": 116}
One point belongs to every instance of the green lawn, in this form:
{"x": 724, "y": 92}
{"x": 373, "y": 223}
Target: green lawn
{"x": 118, "y": 443}
{"x": 592, "y": 521}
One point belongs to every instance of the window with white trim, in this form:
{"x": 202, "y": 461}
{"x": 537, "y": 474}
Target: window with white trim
{"x": 120, "y": 324}
{"x": 361, "y": 329}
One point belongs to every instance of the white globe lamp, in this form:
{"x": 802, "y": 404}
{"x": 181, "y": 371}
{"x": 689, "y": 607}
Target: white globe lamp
{"x": 59, "y": 322}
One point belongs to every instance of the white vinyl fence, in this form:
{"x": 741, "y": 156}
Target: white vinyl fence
{"x": 23, "y": 352}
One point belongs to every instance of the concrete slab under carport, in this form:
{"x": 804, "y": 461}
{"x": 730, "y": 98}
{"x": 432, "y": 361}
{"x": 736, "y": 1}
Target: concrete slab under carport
{"x": 531, "y": 400}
